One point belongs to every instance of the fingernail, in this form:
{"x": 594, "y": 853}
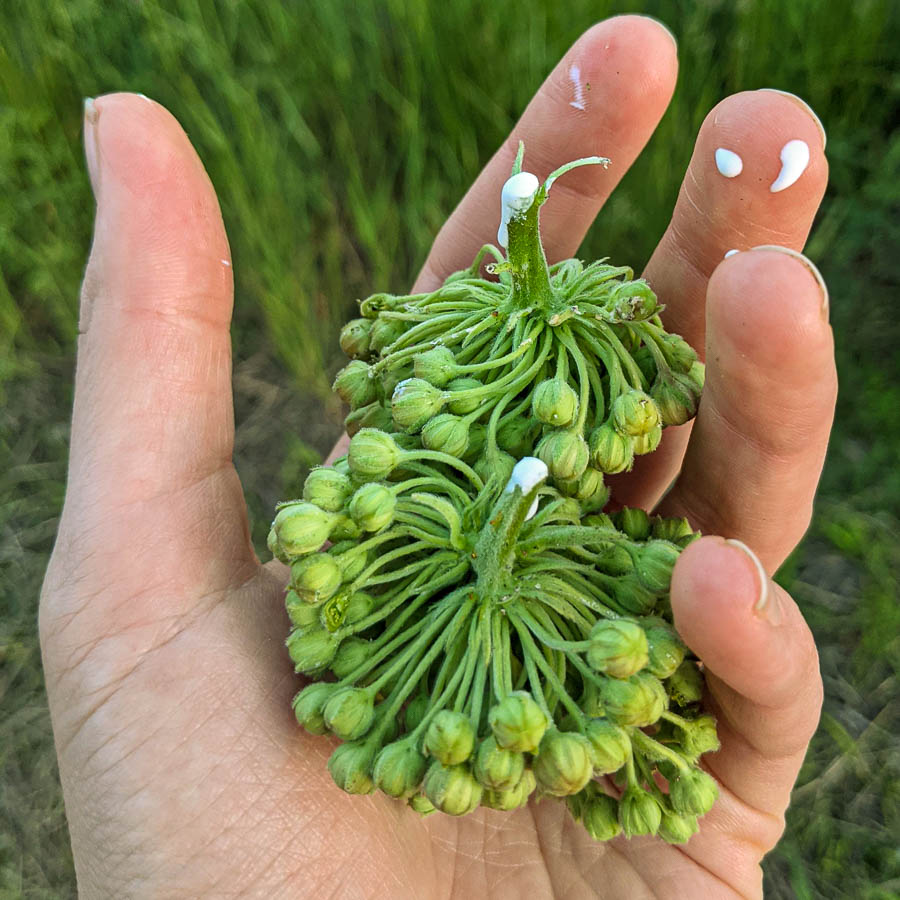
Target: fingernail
{"x": 806, "y": 107}
{"x": 91, "y": 151}
{"x": 809, "y": 265}
{"x": 766, "y": 606}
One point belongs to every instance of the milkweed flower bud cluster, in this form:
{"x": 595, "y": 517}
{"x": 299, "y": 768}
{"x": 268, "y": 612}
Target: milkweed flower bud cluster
{"x": 479, "y": 631}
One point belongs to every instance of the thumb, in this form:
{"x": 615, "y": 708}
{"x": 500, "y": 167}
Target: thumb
{"x": 763, "y": 683}
{"x": 151, "y": 484}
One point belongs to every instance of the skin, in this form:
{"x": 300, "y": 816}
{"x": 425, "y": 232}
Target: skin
{"x": 183, "y": 770}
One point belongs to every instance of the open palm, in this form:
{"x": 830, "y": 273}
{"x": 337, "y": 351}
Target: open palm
{"x": 184, "y": 771}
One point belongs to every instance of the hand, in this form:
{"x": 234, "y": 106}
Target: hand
{"x": 184, "y": 772}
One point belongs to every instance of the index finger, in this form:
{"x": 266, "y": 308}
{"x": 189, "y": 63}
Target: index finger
{"x": 605, "y": 97}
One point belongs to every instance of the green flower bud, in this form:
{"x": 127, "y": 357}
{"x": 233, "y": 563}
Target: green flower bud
{"x": 554, "y": 403}
{"x": 639, "y": 812}
{"x": 634, "y": 413}
{"x": 436, "y": 366}
{"x": 421, "y": 804}
{"x": 308, "y": 706}
{"x": 414, "y": 402}
{"x": 618, "y": 647}
{"x": 450, "y": 738}
{"x": 372, "y": 416}
{"x": 633, "y": 301}
{"x": 677, "y": 829}
{"x": 697, "y": 375}
{"x": 303, "y": 615}
{"x": 372, "y": 507}
{"x": 656, "y": 560}
{"x": 464, "y": 405}
{"x": 345, "y": 529}
{"x": 639, "y": 700}
{"x": 477, "y": 440}
{"x": 399, "y": 769}
{"x": 327, "y": 488}
{"x": 600, "y": 817}
{"x": 501, "y": 466}
{"x": 700, "y": 736}
{"x": 353, "y": 652}
{"x": 446, "y": 433}
{"x": 391, "y": 377}
{"x": 516, "y": 436}
{"x": 647, "y": 443}
{"x": 359, "y": 605}
{"x": 693, "y": 793}
{"x": 354, "y": 338}
{"x": 350, "y": 564}
{"x": 355, "y": 385}
{"x": 670, "y": 529}
{"x": 453, "y": 790}
{"x": 599, "y": 520}
{"x": 372, "y": 455}
{"x": 372, "y": 306}
{"x": 315, "y": 578}
{"x": 563, "y": 763}
{"x": 415, "y": 711}
{"x": 302, "y": 528}
{"x": 496, "y": 768}
{"x": 384, "y": 332}
{"x": 616, "y": 560}
{"x": 275, "y": 547}
{"x": 679, "y": 352}
{"x": 632, "y": 595}
{"x": 351, "y": 767}
{"x": 685, "y": 685}
{"x": 564, "y": 452}
{"x": 610, "y": 746}
{"x": 311, "y": 651}
{"x": 611, "y": 452}
{"x": 334, "y": 611}
{"x": 513, "y": 798}
{"x": 675, "y": 397}
{"x": 635, "y": 523}
{"x": 591, "y": 490}
{"x": 666, "y": 650}
{"x": 349, "y": 712}
{"x": 518, "y": 723}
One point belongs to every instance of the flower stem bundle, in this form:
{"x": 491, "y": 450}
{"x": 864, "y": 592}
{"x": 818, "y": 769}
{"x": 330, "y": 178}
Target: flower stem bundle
{"x": 479, "y": 630}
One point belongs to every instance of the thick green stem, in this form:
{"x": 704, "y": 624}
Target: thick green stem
{"x": 527, "y": 262}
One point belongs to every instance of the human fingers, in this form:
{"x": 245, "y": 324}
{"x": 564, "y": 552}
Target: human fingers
{"x": 605, "y": 97}
{"x": 151, "y": 489}
{"x": 757, "y": 449}
{"x": 726, "y": 203}
{"x": 763, "y": 685}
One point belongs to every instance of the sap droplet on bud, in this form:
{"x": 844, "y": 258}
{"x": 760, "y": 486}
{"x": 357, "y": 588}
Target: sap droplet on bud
{"x": 527, "y": 473}
{"x": 515, "y": 200}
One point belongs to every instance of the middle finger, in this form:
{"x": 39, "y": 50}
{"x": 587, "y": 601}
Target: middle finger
{"x": 719, "y": 209}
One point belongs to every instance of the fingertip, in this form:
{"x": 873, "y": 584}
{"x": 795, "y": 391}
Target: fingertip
{"x": 743, "y": 626}
{"x": 768, "y": 304}
{"x": 159, "y": 236}
{"x": 630, "y": 57}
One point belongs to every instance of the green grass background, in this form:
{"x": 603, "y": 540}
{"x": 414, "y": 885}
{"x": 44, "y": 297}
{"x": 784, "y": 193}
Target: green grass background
{"x": 339, "y": 135}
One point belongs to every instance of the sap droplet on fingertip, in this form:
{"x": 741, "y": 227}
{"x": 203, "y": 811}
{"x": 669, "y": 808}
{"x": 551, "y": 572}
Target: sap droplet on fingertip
{"x": 794, "y": 160}
{"x": 728, "y": 163}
